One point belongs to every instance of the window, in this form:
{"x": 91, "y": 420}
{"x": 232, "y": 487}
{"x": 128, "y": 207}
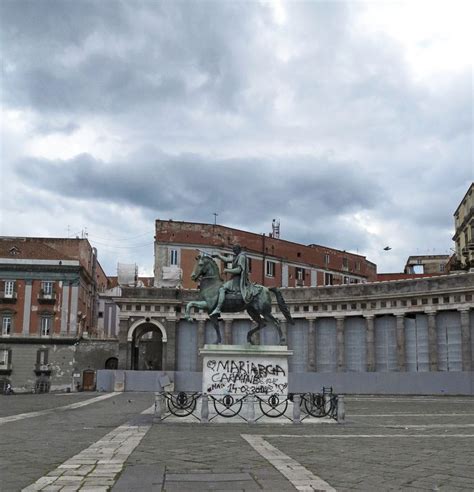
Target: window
{"x": 326, "y": 259}
{"x": 47, "y": 288}
{"x": 357, "y": 265}
{"x": 328, "y": 278}
{"x": 173, "y": 257}
{"x": 9, "y": 288}
{"x": 42, "y": 357}
{"x": 5, "y": 358}
{"x": 270, "y": 268}
{"x": 347, "y": 280}
{"x": 300, "y": 274}
{"x": 101, "y": 314}
{"x": 345, "y": 263}
{"x": 441, "y": 267}
{"x": 249, "y": 264}
{"x": 46, "y": 324}
{"x": 6, "y": 325}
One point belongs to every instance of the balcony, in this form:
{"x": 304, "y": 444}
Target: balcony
{"x": 5, "y": 369}
{"x": 8, "y": 298}
{"x": 42, "y": 369}
{"x": 44, "y": 298}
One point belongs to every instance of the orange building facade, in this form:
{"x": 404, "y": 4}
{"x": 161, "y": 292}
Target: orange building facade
{"x": 273, "y": 262}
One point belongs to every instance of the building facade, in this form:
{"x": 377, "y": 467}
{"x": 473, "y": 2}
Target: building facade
{"x": 273, "y": 262}
{"x": 406, "y": 336}
{"x": 464, "y": 232}
{"x": 426, "y": 264}
{"x": 48, "y": 303}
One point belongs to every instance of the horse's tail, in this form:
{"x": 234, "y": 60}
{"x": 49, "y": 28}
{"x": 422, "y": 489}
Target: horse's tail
{"x": 282, "y": 305}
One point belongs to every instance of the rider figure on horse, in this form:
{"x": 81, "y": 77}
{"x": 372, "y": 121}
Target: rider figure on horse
{"x": 240, "y": 278}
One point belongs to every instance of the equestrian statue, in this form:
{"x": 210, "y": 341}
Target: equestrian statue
{"x": 237, "y": 294}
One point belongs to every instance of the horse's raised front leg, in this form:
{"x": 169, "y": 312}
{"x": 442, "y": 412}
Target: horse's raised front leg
{"x": 189, "y": 305}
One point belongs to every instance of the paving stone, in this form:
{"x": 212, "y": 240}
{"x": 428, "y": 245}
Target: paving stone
{"x": 140, "y": 478}
{"x": 208, "y": 477}
{"x": 32, "y": 447}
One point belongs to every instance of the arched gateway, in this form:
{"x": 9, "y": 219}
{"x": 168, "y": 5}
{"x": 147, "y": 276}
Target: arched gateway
{"x": 146, "y": 338}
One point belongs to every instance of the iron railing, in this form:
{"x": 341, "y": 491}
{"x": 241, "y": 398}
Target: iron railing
{"x": 250, "y": 408}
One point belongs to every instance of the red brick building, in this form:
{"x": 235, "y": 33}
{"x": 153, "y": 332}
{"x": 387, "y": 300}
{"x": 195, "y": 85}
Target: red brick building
{"x": 273, "y": 261}
{"x": 48, "y": 302}
{"x": 48, "y": 286}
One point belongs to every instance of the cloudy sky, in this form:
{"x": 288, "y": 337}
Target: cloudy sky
{"x": 350, "y": 122}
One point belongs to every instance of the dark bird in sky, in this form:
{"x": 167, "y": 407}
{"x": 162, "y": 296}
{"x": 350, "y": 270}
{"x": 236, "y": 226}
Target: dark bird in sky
{"x": 387, "y": 248}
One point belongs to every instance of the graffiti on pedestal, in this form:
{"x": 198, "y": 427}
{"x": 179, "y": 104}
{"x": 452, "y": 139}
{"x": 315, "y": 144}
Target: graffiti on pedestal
{"x": 245, "y": 377}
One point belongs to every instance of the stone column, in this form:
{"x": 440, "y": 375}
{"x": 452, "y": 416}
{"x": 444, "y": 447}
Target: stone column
{"x": 228, "y": 332}
{"x": 201, "y": 338}
{"x": 401, "y": 358}
{"x": 340, "y": 349}
{"x": 311, "y": 346}
{"x": 432, "y": 341}
{"x": 370, "y": 342}
{"x": 169, "y": 349}
{"x": 466, "y": 349}
{"x": 124, "y": 355}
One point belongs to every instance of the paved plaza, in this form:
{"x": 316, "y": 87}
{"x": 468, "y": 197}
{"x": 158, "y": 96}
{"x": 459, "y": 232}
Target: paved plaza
{"x": 108, "y": 441}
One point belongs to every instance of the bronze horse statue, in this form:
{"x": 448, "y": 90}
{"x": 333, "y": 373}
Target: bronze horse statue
{"x": 206, "y": 272}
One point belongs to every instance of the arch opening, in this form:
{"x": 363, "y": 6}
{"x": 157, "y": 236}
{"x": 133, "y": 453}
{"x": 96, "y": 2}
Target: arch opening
{"x": 147, "y": 348}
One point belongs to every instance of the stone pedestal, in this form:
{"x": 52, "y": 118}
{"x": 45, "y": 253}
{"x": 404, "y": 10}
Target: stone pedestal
{"x": 245, "y": 370}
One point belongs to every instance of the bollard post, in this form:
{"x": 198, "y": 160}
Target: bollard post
{"x": 204, "y": 408}
{"x": 159, "y": 408}
{"x": 296, "y": 408}
{"x": 327, "y": 402}
{"x": 251, "y": 409}
{"x": 341, "y": 410}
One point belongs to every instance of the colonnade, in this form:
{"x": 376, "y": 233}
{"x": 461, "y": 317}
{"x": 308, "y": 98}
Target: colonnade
{"x": 403, "y": 348}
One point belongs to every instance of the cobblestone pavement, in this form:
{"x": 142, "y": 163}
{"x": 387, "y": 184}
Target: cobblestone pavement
{"x": 397, "y": 443}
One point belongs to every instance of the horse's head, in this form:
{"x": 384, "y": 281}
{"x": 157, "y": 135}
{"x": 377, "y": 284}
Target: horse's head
{"x": 205, "y": 266}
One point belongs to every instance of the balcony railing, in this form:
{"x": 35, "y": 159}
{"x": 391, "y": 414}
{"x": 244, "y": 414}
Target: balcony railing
{"x": 44, "y": 298}
{"x": 5, "y": 369}
{"x": 9, "y": 298}
{"x": 42, "y": 369}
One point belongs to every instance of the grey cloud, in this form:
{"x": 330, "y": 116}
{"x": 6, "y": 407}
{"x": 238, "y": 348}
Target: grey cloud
{"x": 209, "y": 79}
{"x": 169, "y": 45}
{"x": 192, "y": 186}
